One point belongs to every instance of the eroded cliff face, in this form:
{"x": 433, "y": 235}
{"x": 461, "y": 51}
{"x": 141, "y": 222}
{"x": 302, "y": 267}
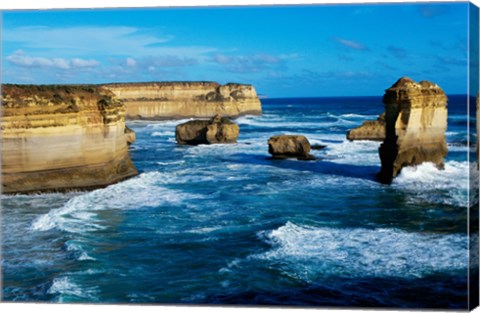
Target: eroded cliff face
{"x": 61, "y": 138}
{"x": 172, "y": 100}
{"x": 416, "y": 122}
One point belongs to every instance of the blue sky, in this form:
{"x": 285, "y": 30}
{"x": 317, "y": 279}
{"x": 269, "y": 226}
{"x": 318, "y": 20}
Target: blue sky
{"x": 321, "y": 50}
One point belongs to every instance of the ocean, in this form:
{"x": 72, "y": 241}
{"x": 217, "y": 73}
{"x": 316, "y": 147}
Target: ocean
{"x": 224, "y": 224}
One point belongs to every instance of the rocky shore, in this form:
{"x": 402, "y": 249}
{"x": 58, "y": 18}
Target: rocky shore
{"x": 64, "y": 137}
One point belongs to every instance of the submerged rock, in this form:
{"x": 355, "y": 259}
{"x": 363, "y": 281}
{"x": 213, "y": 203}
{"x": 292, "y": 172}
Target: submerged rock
{"x": 416, "y": 121}
{"x": 369, "y": 130}
{"x": 217, "y": 130}
{"x": 290, "y": 146}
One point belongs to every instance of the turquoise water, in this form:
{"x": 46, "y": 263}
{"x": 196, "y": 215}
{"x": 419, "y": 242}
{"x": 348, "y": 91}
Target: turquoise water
{"x": 225, "y": 224}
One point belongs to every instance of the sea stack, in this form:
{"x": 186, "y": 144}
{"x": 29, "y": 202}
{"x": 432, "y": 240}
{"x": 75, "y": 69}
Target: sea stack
{"x": 177, "y": 100}
{"x": 416, "y": 121}
{"x": 214, "y": 131}
{"x": 369, "y": 130}
{"x": 57, "y": 138}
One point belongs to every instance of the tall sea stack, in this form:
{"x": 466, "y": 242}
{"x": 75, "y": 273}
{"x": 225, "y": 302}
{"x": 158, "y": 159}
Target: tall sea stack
{"x": 416, "y": 121}
{"x": 57, "y": 138}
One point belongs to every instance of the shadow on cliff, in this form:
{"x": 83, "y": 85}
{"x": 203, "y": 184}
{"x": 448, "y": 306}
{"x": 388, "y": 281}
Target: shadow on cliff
{"x": 320, "y": 166}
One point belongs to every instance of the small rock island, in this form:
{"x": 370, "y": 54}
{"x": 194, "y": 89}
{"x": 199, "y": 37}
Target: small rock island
{"x": 213, "y": 131}
{"x": 290, "y": 146}
{"x": 369, "y": 130}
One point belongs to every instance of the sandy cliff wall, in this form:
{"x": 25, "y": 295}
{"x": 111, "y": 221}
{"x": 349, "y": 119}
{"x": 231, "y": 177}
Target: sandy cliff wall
{"x": 62, "y": 137}
{"x": 168, "y": 100}
{"x": 416, "y": 122}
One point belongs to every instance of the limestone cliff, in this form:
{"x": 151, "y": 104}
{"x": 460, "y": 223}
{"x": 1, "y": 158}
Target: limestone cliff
{"x": 174, "y": 100}
{"x": 369, "y": 130}
{"x": 416, "y": 121}
{"x": 61, "y": 138}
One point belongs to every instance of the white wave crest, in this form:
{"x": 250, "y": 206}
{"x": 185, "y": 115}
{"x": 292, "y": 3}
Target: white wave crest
{"x": 64, "y": 287}
{"x": 167, "y": 123}
{"x": 448, "y": 186}
{"x": 307, "y": 253}
{"x": 285, "y": 123}
{"x": 360, "y": 116}
{"x": 163, "y": 133}
{"x": 79, "y": 214}
{"x": 362, "y": 152}
{"x": 78, "y": 249}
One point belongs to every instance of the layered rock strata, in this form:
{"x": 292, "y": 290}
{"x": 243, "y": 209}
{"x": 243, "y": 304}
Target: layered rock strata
{"x": 57, "y": 138}
{"x": 416, "y": 121}
{"x": 175, "y": 100}
{"x": 290, "y": 146}
{"x": 369, "y": 130}
{"x": 213, "y": 131}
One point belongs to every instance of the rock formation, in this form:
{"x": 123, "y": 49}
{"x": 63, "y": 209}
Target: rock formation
{"x": 57, "y": 138}
{"x": 217, "y": 130}
{"x": 290, "y": 146}
{"x": 175, "y": 100}
{"x": 416, "y": 121}
{"x": 130, "y": 135}
{"x": 369, "y": 130}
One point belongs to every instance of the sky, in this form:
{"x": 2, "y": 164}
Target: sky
{"x": 284, "y": 51}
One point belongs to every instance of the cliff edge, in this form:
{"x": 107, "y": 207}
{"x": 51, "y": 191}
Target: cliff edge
{"x": 176, "y": 100}
{"x": 416, "y": 122}
{"x": 57, "y": 138}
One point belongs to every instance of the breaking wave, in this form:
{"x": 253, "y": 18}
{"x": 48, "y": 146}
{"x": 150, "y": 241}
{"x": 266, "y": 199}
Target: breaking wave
{"x": 79, "y": 214}
{"x": 308, "y": 253}
{"x": 428, "y": 183}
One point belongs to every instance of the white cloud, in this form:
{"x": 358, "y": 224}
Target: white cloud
{"x": 19, "y": 58}
{"x": 252, "y": 63}
{"x": 355, "y": 45}
{"x": 76, "y": 62}
{"x": 131, "y": 62}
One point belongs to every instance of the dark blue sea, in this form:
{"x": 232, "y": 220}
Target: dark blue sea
{"x": 223, "y": 224}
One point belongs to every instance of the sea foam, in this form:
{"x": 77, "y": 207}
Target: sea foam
{"x": 448, "y": 186}
{"x": 79, "y": 214}
{"x": 65, "y": 287}
{"x": 308, "y": 253}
